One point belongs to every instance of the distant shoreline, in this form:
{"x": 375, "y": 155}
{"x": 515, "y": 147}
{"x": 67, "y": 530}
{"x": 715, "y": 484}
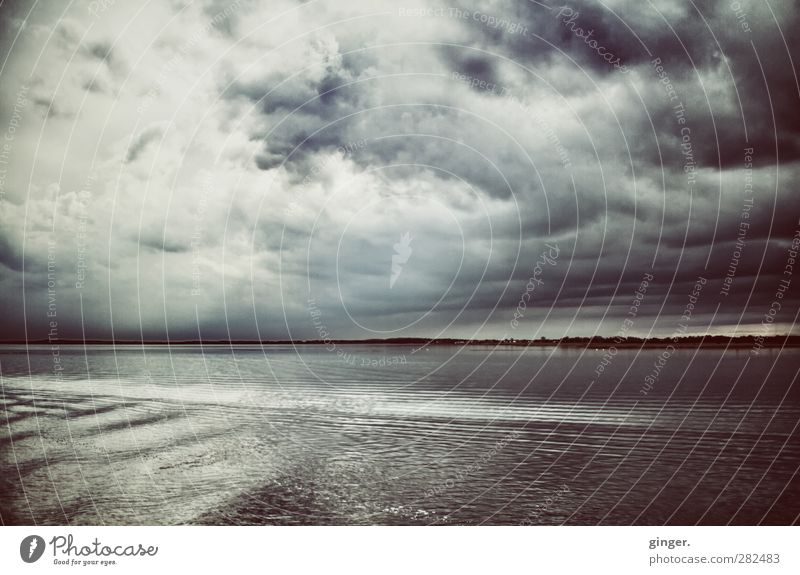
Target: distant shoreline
{"x": 711, "y": 342}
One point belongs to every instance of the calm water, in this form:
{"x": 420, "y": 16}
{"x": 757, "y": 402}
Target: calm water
{"x": 390, "y": 435}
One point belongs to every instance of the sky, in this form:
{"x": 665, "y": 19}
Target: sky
{"x": 305, "y": 170}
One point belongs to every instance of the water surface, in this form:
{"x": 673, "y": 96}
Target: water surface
{"x": 394, "y": 435}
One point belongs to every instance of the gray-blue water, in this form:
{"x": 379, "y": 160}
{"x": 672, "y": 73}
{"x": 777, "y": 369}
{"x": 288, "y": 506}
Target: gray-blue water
{"x": 392, "y": 435}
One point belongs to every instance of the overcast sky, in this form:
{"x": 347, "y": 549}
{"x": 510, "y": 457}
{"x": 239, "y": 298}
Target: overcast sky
{"x": 384, "y": 169}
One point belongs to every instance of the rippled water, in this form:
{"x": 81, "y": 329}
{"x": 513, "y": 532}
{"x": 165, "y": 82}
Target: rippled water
{"x": 396, "y": 435}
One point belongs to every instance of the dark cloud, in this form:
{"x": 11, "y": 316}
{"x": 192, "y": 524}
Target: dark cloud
{"x": 471, "y": 64}
{"x": 141, "y": 142}
{"x": 99, "y": 50}
{"x": 162, "y": 244}
{"x": 10, "y": 255}
{"x": 334, "y": 133}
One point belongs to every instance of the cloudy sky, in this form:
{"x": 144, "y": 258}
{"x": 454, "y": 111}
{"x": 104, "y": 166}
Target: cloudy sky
{"x": 361, "y": 169}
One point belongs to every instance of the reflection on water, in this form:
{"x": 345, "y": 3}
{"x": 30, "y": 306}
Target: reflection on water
{"x": 286, "y": 435}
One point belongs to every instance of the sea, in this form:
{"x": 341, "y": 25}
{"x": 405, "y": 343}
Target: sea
{"x": 397, "y": 435}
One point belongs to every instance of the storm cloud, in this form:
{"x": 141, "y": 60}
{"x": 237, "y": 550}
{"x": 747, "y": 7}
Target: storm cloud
{"x": 366, "y": 169}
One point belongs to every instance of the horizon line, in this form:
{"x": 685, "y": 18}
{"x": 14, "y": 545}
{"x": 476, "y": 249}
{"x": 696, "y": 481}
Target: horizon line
{"x": 787, "y": 338}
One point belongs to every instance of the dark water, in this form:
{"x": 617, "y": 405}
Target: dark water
{"x": 390, "y": 435}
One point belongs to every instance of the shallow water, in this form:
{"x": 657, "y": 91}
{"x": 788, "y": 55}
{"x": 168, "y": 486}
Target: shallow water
{"x": 396, "y": 435}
